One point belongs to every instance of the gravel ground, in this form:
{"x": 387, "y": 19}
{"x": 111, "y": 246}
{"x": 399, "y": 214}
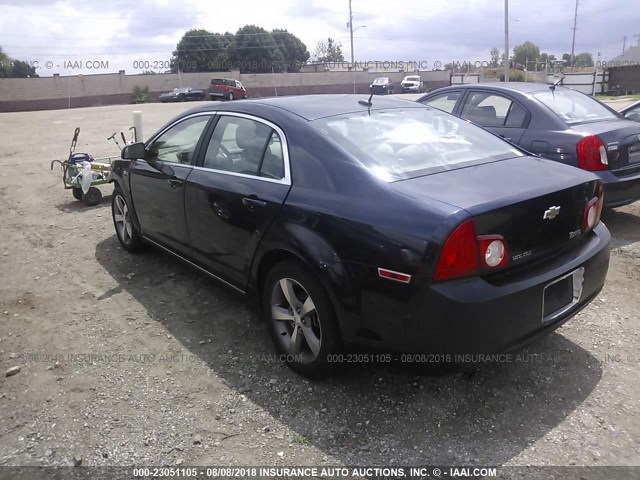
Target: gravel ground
{"x": 183, "y": 373}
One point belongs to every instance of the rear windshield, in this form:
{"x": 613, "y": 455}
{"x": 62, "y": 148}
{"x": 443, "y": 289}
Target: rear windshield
{"x": 380, "y": 80}
{"x": 412, "y": 79}
{"x": 397, "y": 144}
{"x": 219, "y": 81}
{"x": 574, "y": 107}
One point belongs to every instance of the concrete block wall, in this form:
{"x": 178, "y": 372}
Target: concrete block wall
{"x": 20, "y": 94}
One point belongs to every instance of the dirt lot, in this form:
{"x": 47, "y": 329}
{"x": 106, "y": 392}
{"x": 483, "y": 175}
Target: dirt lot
{"x": 185, "y": 374}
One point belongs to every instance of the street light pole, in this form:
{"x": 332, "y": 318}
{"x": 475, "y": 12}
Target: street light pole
{"x": 351, "y": 32}
{"x": 506, "y": 40}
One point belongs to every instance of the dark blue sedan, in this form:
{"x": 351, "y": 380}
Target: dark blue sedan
{"x": 383, "y": 222}
{"x": 557, "y": 123}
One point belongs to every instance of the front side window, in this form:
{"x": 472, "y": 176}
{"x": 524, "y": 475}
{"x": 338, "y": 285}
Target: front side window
{"x": 445, "y": 101}
{"x": 178, "y": 143}
{"x": 404, "y": 143}
{"x": 245, "y": 146}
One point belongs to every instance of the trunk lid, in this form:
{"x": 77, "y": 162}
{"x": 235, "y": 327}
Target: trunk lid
{"x": 536, "y": 205}
{"x": 622, "y": 140}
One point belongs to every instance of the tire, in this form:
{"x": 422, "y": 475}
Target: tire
{"x": 92, "y": 197}
{"x": 128, "y": 236}
{"x": 230, "y": 96}
{"x": 304, "y": 342}
{"x": 77, "y": 193}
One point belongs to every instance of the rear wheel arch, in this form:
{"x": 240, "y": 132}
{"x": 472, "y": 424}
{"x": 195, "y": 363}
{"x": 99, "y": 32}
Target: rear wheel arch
{"x": 327, "y": 275}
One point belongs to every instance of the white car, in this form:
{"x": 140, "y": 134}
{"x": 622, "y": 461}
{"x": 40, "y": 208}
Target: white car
{"x": 412, "y": 83}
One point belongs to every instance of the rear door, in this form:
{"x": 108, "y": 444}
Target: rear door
{"x": 234, "y": 193}
{"x": 496, "y": 112}
{"x": 157, "y": 181}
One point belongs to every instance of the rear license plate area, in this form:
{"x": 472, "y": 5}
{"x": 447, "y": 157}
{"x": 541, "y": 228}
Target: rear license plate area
{"x": 562, "y": 294}
{"x": 634, "y": 155}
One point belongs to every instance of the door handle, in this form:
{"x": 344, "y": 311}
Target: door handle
{"x": 252, "y": 202}
{"x": 508, "y": 139}
{"x": 175, "y": 182}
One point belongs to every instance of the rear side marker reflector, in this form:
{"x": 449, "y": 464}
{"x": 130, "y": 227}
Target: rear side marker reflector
{"x": 396, "y": 276}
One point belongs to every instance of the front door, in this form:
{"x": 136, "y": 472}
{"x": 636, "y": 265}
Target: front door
{"x": 157, "y": 182}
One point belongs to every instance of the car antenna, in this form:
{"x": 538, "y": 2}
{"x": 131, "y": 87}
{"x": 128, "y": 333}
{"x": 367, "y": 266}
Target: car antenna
{"x": 368, "y": 102}
{"x": 553, "y": 87}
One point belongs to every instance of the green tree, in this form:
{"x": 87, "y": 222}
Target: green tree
{"x": 10, "y": 68}
{"x": 528, "y": 51}
{"x": 329, "y": 51}
{"x": 567, "y": 58}
{"x": 23, "y": 70}
{"x": 256, "y": 51}
{"x": 293, "y": 50}
{"x": 200, "y": 50}
{"x": 495, "y": 58}
{"x": 584, "y": 59}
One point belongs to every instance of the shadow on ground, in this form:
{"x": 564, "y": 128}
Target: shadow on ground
{"x": 367, "y": 415}
{"x": 73, "y": 205}
{"x": 624, "y": 227}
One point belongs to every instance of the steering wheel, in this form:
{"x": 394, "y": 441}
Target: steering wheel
{"x": 224, "y": 150}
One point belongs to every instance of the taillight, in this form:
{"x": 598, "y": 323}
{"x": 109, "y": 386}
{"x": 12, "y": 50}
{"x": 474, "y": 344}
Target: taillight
{"x": 459, "y": 257}
{"x": 465, "y": 254}
{"x": 592, "y": 154}
{"x": 593, "y": 210}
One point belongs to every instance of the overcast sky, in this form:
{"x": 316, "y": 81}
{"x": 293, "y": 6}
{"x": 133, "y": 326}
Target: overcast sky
{"x": 62, "y": 33}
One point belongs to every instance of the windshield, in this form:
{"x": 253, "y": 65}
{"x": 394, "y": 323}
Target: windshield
{"x": 404, "y": 143}
{"x": 380, "y": 80}
{"x": 574, "y": 107}
{"x": 411, "y": 79}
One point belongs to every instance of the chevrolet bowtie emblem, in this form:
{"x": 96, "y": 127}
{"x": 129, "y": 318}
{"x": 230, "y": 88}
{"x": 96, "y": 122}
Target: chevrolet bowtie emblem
{"x": 551, "y": 213}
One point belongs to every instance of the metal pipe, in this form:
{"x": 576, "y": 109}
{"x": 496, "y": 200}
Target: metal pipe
{"x": 137, "y": 123}
{"x": 506, "y": 40}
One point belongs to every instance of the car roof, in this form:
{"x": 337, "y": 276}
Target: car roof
{"x": 311, "y": 107}
{"x": 523, "y": 87}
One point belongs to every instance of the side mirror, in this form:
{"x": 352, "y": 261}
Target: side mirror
{"x": 133, "y": 151}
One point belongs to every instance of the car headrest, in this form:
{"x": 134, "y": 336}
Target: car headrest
{"x": 246, "y": 135}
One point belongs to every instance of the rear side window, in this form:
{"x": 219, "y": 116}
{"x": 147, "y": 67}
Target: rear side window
{"x": 242, "y": 145}
{"x": 404, "y": 143}
{"x": 493, "y": 110}
{"x": 445, "y": 101}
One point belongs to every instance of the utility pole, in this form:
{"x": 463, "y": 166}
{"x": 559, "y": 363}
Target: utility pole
{"x": 624, "y": 43}
{"x": 506, "y": 40}
{"x": 573, "y": 42}
{"x": 638, "y": 35}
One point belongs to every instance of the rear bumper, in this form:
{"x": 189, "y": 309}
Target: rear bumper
{"x": 474, "y": 315}
{"x": 380, "y": 90}
{"x": 619, "y": 191}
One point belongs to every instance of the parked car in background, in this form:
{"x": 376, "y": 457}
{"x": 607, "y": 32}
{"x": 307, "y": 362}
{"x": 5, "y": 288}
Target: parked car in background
{"x": 557, "y": 123}
{"x": 381, "y": 86}
{"x": 182, "y": 94}
{"x": 226, "y": 88}
{"x": 631, "y": 112}
{"x": 339, "y": 214}
{"x": 412, "y": 83}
